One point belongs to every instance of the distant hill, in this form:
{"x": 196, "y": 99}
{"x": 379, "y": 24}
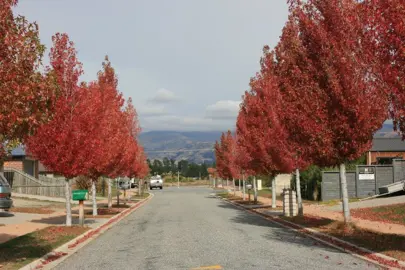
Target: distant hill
{"x": 198, "y": 146}
{"x": 193, "y": 146}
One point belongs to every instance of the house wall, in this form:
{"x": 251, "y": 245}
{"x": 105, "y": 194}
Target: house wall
{"x": 28, "y": 166}
{"x": 372, "y": 156}
{"x": 15, "y": 164}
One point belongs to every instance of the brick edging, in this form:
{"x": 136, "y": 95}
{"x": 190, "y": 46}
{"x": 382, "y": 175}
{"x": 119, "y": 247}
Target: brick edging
{"x": 354, "y": 250}
{"x": 63, "y": 252}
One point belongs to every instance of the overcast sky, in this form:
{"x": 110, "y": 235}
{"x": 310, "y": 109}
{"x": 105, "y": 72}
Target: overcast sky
{"x": 185, "y": 63}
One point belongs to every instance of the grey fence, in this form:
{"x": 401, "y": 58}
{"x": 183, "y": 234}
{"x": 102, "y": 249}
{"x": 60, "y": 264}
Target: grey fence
{"x": 23, "y": 183}
{"x": 331, "y": 185}
{"x": 364, "y": 182}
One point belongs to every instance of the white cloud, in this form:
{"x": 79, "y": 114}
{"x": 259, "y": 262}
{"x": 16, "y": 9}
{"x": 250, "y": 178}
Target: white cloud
{"x": 164, "y": 96}
{"x": 223, "y": 109}
{"x": 151, "y": 111}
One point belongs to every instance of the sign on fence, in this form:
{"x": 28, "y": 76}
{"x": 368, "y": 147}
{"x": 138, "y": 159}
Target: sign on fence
{"x": 366, "y": 173}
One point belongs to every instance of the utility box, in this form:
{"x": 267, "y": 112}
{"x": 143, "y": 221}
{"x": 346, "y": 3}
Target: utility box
{"x": 290, "y": 207}
{"x": 79, "y": 195}
{"x": 259, "y": 185}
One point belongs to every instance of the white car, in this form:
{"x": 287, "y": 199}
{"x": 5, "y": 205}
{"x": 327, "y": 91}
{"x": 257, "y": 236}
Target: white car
{"x": 156, "y": 182}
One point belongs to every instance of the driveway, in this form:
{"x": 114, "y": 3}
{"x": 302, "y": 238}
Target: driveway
{"x": 188, "y": 228}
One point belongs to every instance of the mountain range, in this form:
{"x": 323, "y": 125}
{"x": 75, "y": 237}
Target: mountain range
{"x": 198, "y": 146}
{"x": 194, "y": 146}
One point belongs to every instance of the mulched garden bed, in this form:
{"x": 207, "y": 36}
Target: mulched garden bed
{"x": 32, "y": 210}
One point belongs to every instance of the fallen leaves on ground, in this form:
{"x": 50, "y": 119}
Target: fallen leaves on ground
{"x": 387, "y": 214}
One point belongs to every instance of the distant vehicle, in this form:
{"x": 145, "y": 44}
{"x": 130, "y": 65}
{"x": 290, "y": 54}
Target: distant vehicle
{"x": 123, "y": 184}
{"x": 134, "y": 183}
{"x": 5, "y": 194}
{"x": 156, "y": 182}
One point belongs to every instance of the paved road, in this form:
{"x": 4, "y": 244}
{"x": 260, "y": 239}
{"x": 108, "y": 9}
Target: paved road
{"x": 187, "y": 228}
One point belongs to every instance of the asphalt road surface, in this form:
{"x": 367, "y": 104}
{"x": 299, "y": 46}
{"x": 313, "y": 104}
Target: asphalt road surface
{"x": 188, "y": 228}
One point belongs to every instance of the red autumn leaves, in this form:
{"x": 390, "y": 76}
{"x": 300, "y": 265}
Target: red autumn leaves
{"x": 26, "y": 94}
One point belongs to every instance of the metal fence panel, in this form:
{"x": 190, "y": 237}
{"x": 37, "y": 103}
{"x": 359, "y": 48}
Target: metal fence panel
{"x": 330, "y": 186}
{"x": 399, "y": 169}
{"x": 351, "y": 184}
{"x": 384, "y": 176}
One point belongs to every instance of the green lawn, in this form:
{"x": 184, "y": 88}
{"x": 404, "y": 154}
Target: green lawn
{"x": 267, "y": 193}
{"x": 25, "y": 249}
{"x": 137, "y": 197}
{"x": 114, "y": 191}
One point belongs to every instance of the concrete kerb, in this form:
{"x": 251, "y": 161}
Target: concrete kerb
{"x": 63, "y": 252}
{"x": 388, "y": 261}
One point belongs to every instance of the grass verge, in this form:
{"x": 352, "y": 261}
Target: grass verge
{"x": 388, "y": 214}
{"x": 392, "y": 245}
{"x": 137, "y": 197}
{"x": 25, "y": 249}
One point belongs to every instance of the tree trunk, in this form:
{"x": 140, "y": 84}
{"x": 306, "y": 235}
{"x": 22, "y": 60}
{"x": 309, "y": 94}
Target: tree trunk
{"x": 68, "y": 206}
{"x": 345, "y": 197}
{"x": 243, "y": 187}
{"x": 255, "y": 189}
{"x": 118, "y": 193}
{"x": 239, "y": 184}
{"x": 103, "y": 186}
{"x": 140, "y": 187}
{"x": 227, "y": 183}
{"x": 109, "y": 194}
{"x": 273, "y": 193}
{"x": 93, "y": 189}
{"x": 234, "y": 187}
{"x": 299, "y": 199}
{"x": 2, "y": 167}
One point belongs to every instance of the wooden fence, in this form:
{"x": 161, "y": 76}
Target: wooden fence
{"x": 23, "y": 183}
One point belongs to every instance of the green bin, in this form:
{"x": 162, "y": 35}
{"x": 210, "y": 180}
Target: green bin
{"x": 79, "y": 195}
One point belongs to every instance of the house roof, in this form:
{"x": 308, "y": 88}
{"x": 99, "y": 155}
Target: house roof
{"x": 393, "y": 144}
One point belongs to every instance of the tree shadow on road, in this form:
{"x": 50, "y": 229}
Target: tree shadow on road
{"x": 276, "y": 232}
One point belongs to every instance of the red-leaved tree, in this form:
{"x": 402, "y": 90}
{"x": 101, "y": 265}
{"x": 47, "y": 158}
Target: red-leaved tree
{"x": 61, "y": 143}
{"x": 337, "y": 80}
